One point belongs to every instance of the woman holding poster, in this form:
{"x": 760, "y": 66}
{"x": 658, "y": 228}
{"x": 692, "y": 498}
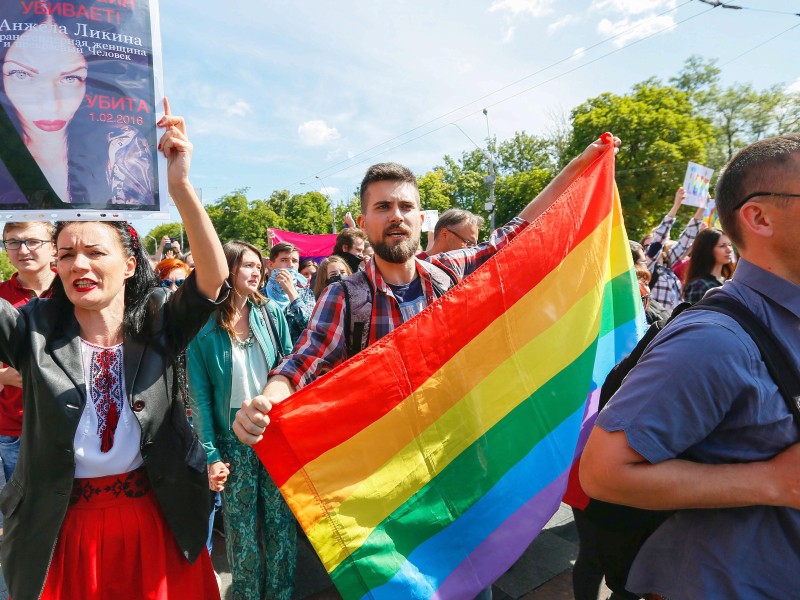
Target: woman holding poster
{"x": 110, "y": 495}
{"x": 53, "y": 81}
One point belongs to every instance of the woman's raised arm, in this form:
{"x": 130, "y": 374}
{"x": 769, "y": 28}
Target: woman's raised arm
{"x": 211, "y": 268}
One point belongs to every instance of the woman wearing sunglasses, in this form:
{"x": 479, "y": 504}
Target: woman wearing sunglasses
{"x": 172, "y": 273}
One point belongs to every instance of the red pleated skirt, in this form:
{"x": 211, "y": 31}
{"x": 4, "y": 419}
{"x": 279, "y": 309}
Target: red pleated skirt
{"x": 115, "y": 545}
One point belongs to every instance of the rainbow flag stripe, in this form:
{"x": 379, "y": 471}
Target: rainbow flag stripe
{"x": 425, "y": 465}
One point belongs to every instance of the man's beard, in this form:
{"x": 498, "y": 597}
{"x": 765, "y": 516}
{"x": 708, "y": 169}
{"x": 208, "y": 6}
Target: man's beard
{"x": 396, "y": 253}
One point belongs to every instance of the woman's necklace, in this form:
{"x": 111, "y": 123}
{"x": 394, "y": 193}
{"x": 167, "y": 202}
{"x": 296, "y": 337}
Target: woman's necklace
{"x": 247, "y": 342}
{"x": 244, "y": 317}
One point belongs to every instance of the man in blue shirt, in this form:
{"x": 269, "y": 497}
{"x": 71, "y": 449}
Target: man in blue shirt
{"x": 700, "y": 426}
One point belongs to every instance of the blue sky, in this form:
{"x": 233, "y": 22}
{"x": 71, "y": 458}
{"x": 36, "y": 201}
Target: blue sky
{"x": 295, "y": 95}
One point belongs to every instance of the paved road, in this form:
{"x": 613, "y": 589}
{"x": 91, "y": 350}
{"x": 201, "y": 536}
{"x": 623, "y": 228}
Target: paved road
{"x": 543, "y": 572}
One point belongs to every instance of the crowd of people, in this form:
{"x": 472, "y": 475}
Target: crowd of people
{"x": 134, "y": 386}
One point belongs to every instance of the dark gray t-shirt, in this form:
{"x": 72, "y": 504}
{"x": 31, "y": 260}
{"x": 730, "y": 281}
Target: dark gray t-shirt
{"x": 701, "y": 392}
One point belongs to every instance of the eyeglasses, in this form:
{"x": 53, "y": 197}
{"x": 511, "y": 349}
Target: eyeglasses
{"x": 467, "y": 243}
{"x": 29, "y": 244}
{"x": 757, "y": 194}
{"x": 165, "y": 283}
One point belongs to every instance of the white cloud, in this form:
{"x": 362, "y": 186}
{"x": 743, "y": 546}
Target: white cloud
{"x": 508, "y": 37}
{"x": 560, "y": 23}
{"x": 316, "y": 133}
{"x": 240, "y": 108}
{"x": 794, "y": 87}
{"x": 578, "y": 53}
{"x": 633, "y": 7}
{"x": 630, "y": 30}
{"x": 535, "y": 8}
{"x": 328, "y": 190}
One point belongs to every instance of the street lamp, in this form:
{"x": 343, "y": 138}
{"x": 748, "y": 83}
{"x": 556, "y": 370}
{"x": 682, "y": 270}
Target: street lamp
{"x": 492, "y": 177}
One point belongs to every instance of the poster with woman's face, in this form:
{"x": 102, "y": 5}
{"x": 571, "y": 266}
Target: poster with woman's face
{"x": 80, "y": 98}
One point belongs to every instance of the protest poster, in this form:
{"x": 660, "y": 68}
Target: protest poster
{"x": 81, "y": 94}
{"x": 696, "y": 183}
{"x": 430, "y": 219}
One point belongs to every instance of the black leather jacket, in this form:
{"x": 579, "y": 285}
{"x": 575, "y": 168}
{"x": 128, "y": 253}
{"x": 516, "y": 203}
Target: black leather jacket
{"x": 45, "y": 348}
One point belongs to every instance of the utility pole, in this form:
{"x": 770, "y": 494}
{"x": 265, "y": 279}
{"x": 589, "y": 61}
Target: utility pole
{"x": 492, "y": 177}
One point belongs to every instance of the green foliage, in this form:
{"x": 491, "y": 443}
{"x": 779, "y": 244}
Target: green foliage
{"x": 6, "y": 268}
{"x": 516, "y": 190}
{"x": 660, "y": 133}
{"x": 740, "y": 114}
{"x": 309, "y": 213}
{"x": 152, "y": 239}
{"x": 352, "y": 206}
{"x": 434, "y": 192}
{"x": 524, "y": 165}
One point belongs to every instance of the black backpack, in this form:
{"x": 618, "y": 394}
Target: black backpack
{"x": 358, "y": 295}
{"x": 640, "y": 523}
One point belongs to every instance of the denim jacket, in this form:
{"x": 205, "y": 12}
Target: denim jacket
{"x": 209, "y": 363}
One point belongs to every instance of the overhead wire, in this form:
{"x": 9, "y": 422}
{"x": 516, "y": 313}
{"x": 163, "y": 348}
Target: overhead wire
{"x": 349, "y": 161}
{"x": 439, "y": 128}
{"x": 463, "y": 106}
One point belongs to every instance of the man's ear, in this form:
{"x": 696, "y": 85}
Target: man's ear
{"x": 758, "y": 218}
{"x": 360, "y": 221}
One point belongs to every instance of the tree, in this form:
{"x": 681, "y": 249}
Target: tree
{"x": 661, "y": 132}
{"x": 152, "y": 239}
{"x": 524, "y": 153}
{"x": 6, "y": 268}
{"x": 352, "y": 206}
{"x": 434, "y": 192}
{"x": 515, "y": 191}
{"x": 309, "y": 213}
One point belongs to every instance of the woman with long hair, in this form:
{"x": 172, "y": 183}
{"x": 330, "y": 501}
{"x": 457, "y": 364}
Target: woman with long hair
{"x": 331, "y": 269}
{"x": 229, "y": 362}
{"x": 712, "y": 263}
{"x": 109, "y": 498}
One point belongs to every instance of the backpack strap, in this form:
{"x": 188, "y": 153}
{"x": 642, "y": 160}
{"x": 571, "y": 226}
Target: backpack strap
{"x": 772, "y": 351}
{"x": 613, "y": 380}
{"x": 441, "y": 280}
{"x": 273, "y": 334}
{"x": 358, "y": 295}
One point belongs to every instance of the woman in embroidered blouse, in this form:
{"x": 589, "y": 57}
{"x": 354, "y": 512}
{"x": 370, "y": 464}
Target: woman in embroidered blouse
{"x": 229, "y": 362}
{"x": 711, "y": 264}
{"x": 97, "y": 367}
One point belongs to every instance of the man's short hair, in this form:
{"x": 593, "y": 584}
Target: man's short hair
{"x": 49, "y": 227}
{"x": 753, "y": 169}
{"x": 388, "y": 171}
{"x": 347, "y": 237}
{"x": 453, "y": 217}
{"x": 280, "y": 248}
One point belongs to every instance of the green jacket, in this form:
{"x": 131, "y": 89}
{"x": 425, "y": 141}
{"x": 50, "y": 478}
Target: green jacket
{"x": 208, "y": 361}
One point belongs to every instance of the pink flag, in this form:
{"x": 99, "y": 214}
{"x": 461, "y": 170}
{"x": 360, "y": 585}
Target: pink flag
{"x": 311, "y": 246}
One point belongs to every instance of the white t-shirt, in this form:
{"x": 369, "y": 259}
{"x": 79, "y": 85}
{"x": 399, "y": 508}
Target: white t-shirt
{"x": 249, "y": 372}
{"x": 103, "y": 373}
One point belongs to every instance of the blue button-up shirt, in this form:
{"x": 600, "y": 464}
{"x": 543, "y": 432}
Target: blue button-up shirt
{"x": 702, "y": 393}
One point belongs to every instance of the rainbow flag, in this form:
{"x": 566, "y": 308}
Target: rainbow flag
{"x": 425, "y": 465}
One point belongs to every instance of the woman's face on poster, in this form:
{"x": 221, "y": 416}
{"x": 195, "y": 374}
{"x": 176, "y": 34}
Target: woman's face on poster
{"x": 44, "y": 78}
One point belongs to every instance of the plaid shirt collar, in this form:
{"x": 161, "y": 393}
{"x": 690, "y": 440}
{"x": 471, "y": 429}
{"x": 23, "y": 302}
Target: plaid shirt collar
{"x": 378, "y": 283}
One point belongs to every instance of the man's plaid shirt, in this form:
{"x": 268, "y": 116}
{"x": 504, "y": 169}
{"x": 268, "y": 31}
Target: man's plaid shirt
{"x": 322, "y": 345}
